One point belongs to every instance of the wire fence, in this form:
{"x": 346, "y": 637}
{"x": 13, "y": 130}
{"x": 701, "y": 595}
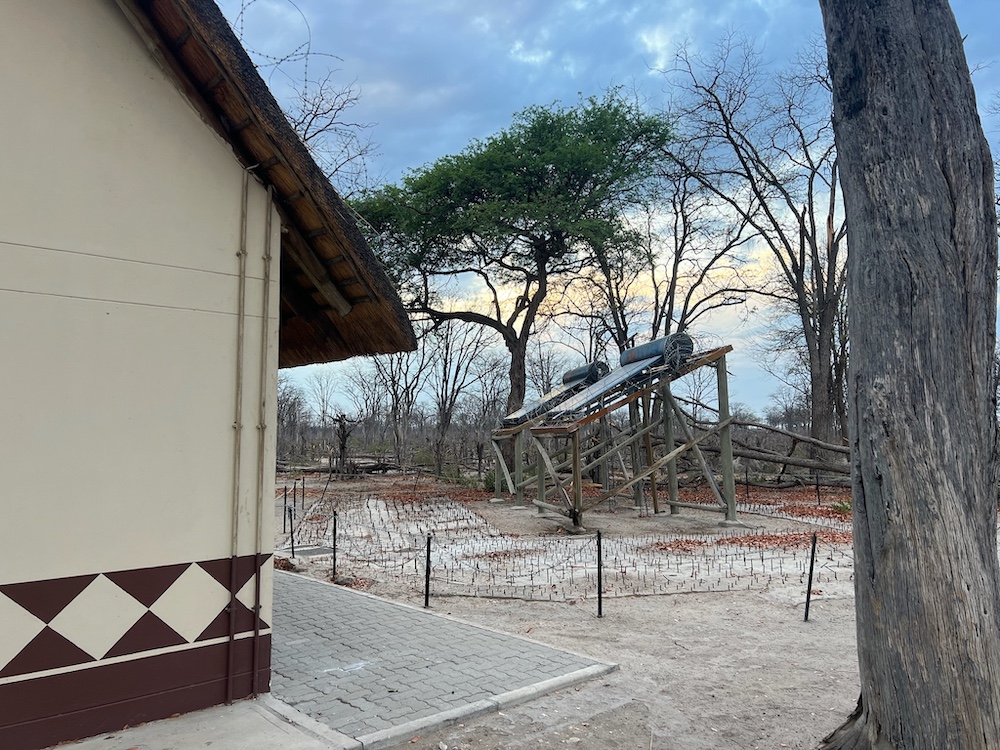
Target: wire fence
{"x": 371, "y": 537}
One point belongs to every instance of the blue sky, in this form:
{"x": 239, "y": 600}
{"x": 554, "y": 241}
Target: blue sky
{"x": 435, "y": 74}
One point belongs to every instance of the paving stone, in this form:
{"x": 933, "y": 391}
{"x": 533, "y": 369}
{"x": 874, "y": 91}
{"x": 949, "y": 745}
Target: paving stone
{"x": 360, "y": 664}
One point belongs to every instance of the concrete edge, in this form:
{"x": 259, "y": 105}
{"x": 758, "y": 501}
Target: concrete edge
{"x": 445, "y": 616}
{"x": 268, "y": 704}
{"x": 513, "y": 697}
{"x": 393, "y": 735}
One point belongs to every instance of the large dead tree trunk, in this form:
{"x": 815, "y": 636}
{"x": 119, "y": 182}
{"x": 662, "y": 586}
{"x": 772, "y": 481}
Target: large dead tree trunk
{"x": 917, "y": 183}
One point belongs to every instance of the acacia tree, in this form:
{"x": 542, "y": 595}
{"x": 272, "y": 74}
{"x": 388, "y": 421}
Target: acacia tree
{"x": 513, "y": 214}
{"x": 918, "y": 191}
{"x": 767, "y": 151}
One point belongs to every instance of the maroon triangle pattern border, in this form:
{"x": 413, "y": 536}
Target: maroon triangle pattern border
{"x": 45, "y": 599}
{"x": 148, "y": 633}
{"x": 221, "y": 570}
{"x": 146, "y": 585}
{"x": 47, "y": 650}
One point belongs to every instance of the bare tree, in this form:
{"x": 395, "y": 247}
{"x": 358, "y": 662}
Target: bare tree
{"x": 292, "y": 418}
{"x": 483, "y": 405}
{"x": 767, "y": 151}
{"x": 695, "y": 259}
{"x": 318, "y": 108}
{"x": 789, "y": 410}
{"x": 679, "y": 261}
{"x": 319, "y": 113}
{"x": 918, "y": 191}
{"x": 458, "y": 348}
{"x": 583, "y": 322}
{"x": 345, "y": 427}
{"x": 402, "y": 377}
{"x": 545, "y": 366}
{"x": 369, "y": 400}
{"x": 322, "y": 385}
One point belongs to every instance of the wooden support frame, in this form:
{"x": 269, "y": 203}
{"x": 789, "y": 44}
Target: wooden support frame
{"x": 558, "y": 476}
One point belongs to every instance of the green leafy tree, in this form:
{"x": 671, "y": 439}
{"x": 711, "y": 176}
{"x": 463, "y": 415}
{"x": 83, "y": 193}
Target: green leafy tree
{"x": 511, "y": 218}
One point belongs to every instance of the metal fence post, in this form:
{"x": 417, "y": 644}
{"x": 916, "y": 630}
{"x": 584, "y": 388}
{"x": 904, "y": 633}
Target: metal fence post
{"x": 333, "y": 572}
{"x": 600, "y": 578}
{"x": 427, "y": 575}
{"x": 812, "y": 562}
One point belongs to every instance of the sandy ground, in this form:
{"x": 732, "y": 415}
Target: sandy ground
{"x": 726, "y": 669}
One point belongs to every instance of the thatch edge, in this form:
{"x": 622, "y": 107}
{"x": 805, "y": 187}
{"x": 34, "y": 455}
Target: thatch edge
{"x": 208, "y": 21}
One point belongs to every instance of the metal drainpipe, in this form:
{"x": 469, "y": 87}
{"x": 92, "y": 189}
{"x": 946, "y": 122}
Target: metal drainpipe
{"x": 238, "y": 441}
{"x": 261, "y": 434}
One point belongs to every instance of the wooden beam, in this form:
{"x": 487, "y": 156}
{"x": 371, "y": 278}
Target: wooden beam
{"x": 519, "y": 468}
{"x": 692, "y": 365}
{"x": 692, "y": 443}
{"x": 726, "y": 440}
{"x": 313, "y": 269}
{"x": 243, "y": 124}
{"x": 543, "y": 454}
{"x": 686, "y": 431}
{"x": 553, "y": 508}
{"x": 502, "y": 464}
{"x": 181, "y": 40}
{"x": 161, "y": 51}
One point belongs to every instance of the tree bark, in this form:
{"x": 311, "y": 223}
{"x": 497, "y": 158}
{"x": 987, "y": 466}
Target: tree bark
{"x": 518, "y": 348}
{"x": 917, "y": 184}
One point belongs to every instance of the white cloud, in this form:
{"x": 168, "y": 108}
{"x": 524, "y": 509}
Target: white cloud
{"x": 660, "y": 41}
{"x": 521, "y": 53}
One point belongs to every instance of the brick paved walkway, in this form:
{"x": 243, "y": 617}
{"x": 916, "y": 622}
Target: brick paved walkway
{"x": 380, "y": 671}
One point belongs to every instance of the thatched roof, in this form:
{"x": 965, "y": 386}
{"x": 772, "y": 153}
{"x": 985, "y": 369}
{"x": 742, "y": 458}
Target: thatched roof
{"x": 336, "y": 300}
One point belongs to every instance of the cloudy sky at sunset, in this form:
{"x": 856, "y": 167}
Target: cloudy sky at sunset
{"x": 435, "y": 74}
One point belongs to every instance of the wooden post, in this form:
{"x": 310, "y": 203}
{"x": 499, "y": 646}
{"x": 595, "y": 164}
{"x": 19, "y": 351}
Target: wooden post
{"x": 519, "y": 467}
{"x": 605, "y": 464}
{"x": 633, "y": 418}
{"x": 539, "y": 477}
{"x": 499, "y": 467}
{"x": 702, "y": 462}
{"x": 577, "y": 482}
{"x": 667, "y": 415}
{"x": 502, "y": 472}
{"x": 726, "y": 441}
{"x": 650, "y": 459}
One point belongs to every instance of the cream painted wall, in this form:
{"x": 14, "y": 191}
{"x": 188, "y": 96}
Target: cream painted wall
{"x": 119, "y": 231}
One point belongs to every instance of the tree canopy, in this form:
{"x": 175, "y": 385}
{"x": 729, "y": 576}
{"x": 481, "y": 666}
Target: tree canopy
{"x": 513, "y": 213}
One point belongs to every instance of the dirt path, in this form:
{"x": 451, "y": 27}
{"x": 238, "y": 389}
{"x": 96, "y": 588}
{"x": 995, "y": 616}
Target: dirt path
{"x": 734, "y": 670}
